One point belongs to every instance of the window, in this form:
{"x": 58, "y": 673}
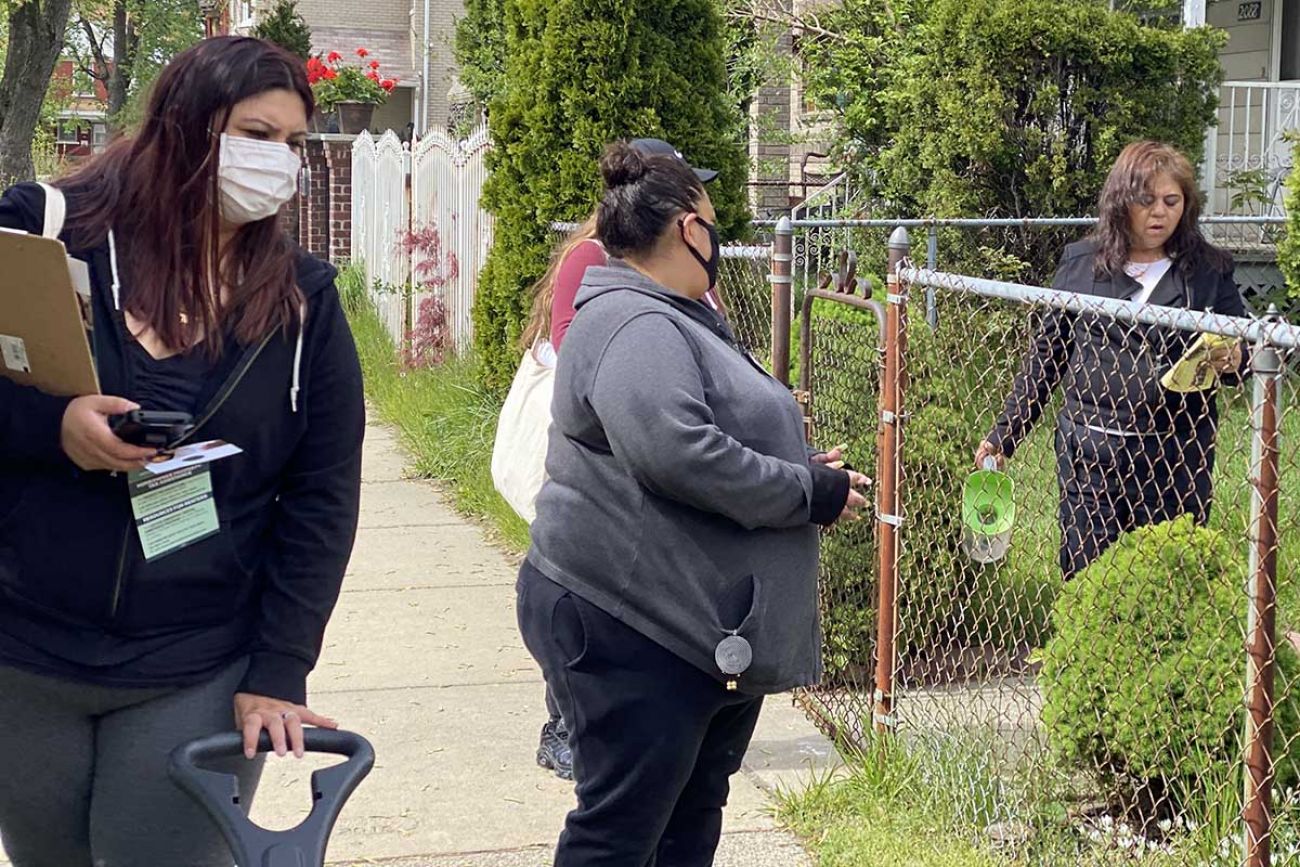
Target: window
{"x": 244, "y": 13}
{"x": 68, "y": 132}
{"x": 99, "y": 136}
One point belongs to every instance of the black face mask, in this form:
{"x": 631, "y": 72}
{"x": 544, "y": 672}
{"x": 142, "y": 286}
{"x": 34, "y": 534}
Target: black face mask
{"x": 710, "y": 265}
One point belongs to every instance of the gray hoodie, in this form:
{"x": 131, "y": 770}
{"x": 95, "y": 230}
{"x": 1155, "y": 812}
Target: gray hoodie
{"x": 680, "y": 498}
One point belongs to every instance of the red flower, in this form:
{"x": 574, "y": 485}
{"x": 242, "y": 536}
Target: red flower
{"x": 374, "y": 64}
{"x": 335, "y": 57}
{"x": 361, "y": 52}
{"x": 388, "y": 84}
{"x": 373, "y": 76}
{"x": 329, "y": 74}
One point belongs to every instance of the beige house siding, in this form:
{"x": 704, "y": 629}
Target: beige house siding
{"x": 393, "y": 31}
{"x": 1249, "y": 53}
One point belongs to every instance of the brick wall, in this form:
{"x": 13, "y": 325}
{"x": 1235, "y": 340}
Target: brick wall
{"x": 324, "y": 216}
{"x": 338, "y": 156}
{"x": 376, "y": 14}
{"x": 313, "y": 222}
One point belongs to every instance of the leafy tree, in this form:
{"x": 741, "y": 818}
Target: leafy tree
{"x": 480, "y": 48}
{"x": 285, "y": 27}
{"x": 578, "y": 74}
{"x": 35, "y": 31}
{"x": 124, "y": 44}
{"x": 1288, "y": 248}
{"x": 1004, "y": 108}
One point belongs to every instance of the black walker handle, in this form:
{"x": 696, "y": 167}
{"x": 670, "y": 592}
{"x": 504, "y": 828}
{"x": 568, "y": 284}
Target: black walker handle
{"x": 253, "y": 846}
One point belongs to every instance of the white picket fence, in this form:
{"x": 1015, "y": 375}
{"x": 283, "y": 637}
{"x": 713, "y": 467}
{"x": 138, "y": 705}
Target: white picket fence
{"x": 396, "y": 191}
{"x": 447, "y": 181}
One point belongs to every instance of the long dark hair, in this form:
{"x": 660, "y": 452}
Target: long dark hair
{"x": 539, "y": 320}
{"x": 1130, "y": 178}
{"x": 158, "y": 191}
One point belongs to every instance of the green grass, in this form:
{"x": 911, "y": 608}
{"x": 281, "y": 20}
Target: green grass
{"x": 445, "y": 418}
{"x": 930, "y": 802}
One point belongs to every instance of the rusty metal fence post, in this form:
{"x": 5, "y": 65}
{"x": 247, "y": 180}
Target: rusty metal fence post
{"x": 888, "y": 502}
{"x": 1261, "y": 624}
{"x": 782, "y": 281}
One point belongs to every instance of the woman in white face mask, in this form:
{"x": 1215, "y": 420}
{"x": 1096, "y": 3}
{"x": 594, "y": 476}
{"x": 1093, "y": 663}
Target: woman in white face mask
{"x": 121, "y": 638}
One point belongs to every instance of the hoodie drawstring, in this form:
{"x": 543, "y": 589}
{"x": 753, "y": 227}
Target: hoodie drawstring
{"x": 297, "y": 358}
{"x": 112, "y": 261}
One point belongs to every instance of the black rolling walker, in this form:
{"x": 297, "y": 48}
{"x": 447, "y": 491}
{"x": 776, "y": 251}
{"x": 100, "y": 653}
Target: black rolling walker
{"x": 252, "y": 846}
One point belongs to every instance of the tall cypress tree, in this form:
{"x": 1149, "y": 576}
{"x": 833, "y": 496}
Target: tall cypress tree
{"x": 579, "y": 74}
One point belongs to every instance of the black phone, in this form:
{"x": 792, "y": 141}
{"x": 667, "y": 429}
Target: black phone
{"x": 144, "y": 427}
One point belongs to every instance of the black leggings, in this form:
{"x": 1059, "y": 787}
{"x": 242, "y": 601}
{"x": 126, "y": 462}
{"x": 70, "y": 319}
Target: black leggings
{"x": 83, "y": 772}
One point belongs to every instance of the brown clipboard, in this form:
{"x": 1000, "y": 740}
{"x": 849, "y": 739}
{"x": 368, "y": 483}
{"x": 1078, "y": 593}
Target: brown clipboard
{"x": 42, "y": 335}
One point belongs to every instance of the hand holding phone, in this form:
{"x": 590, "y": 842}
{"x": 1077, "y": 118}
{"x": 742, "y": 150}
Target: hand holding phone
{"x": 88, "y": 440}
{"x": 148, "y": 428}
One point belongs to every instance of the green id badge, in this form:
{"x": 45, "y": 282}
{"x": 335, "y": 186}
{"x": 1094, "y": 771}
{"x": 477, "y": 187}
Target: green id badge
{"x": 173, "y": 510}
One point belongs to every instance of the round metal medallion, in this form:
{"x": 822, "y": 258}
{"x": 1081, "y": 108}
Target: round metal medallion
{"x": 733, "y": 655}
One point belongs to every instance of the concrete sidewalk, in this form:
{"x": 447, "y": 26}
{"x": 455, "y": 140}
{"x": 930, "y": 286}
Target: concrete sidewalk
{"x": 423, "y": 657}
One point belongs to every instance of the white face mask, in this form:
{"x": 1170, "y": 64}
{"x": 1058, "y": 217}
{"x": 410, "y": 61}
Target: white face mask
{"x": 256, "y": 178}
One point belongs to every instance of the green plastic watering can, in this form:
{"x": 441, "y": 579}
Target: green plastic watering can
{"x": 988, "y": 512}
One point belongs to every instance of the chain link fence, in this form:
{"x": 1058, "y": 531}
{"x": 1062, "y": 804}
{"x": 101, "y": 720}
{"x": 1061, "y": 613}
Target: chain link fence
{"x": 1113, "y": 681}
{"x": 1091, "y": 652}
{"x": 1020, "y": 250}
{"x": 745, "y": 292}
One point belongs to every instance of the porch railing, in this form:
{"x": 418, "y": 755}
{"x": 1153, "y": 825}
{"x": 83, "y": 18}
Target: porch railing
{"x": 1247, "y": 156}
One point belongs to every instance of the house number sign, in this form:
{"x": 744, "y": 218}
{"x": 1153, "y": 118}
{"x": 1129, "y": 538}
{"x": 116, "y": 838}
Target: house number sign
{"x": 1250, "y": 11}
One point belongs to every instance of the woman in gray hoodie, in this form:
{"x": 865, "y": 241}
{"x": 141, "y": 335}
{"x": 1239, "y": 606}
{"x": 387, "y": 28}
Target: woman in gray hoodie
{"x": 672, "y": 578}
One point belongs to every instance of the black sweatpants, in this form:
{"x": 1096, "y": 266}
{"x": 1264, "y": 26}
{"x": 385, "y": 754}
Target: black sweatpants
{"x": 654, "y": 739}
{"x": 1111, "y": 484}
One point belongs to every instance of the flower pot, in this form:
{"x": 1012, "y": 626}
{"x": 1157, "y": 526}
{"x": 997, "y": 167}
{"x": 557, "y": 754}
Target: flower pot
{"x": 325, "y": 121}
{"x": 354, "y": 117}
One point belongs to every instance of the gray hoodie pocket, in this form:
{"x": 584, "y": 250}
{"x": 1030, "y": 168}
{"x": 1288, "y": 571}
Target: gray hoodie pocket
{"x": 736, "y": 604}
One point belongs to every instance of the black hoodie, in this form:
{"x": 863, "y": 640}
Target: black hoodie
{"x": 77, "y": 598}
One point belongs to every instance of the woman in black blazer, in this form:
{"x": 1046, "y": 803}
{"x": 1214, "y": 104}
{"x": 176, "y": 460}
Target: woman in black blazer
{"x": 1129, "y": 451}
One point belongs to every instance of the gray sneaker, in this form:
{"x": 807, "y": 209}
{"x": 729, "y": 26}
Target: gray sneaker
{"x": 553, "y": 752}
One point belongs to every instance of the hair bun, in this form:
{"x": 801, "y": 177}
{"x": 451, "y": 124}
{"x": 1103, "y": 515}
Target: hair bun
{"x": 622, "y": 164}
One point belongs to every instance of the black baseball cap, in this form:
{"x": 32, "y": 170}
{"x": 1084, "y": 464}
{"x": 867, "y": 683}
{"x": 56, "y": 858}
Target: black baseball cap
{"x": 659, "y": 147}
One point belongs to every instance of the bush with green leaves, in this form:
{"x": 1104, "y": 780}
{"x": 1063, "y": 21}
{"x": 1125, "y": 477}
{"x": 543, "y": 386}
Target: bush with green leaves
{"x": 845, "y": 384}
{"x": 577, "y": 76}
{"x": 286, "y": 27}
{"x": 1004, "y": 108}
{"x": 1288, "y": 248}
{"x": 479, "y": 45}
{"x": 1143, "y": 677}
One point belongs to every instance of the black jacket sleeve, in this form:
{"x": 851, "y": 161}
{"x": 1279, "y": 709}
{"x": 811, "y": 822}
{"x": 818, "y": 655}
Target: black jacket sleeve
{"x": 31, "y": 421}
{"x": 316, "y": 514}
{"x": 1039, "y": 374}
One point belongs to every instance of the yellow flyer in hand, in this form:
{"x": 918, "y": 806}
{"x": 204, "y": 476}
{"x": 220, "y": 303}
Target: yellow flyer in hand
{"x": 1194, "y": 372}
